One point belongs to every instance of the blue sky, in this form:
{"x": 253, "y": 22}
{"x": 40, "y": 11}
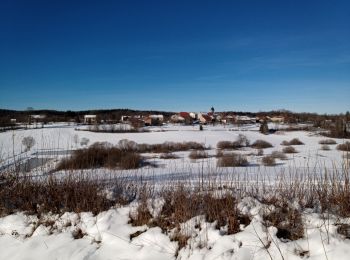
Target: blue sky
{"x": 175, "y": 55}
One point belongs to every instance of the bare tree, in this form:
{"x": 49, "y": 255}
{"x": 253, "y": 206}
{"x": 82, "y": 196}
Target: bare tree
{"x": 28, "y": 142}
{"x": 84, "y": 141}
{"x": 76, "y": 140}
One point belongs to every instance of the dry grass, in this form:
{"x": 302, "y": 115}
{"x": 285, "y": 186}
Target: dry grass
{"x": 261, "y": 144}
{"x": 279, "y": 155}
{"x": 169, "y": 147}
{"x": 232, "y": 160}
{"x": 101, "y": 155}
{"x": 294, "y": 141}
{"x": 268, "y": 161}
{"x": 166, "y": 156}
{"x": 325, "y": 147}
{"x": 327, "y": 141}
{"x": 344, "y": 147}
{"x": 182, "y": 204}
{"x": 194, "y": 155}
{"x": 286, "y": 219}
{"x": 49, "y": 194}
{"x": 242, "y": 141}
{"x": 289, "y": 149}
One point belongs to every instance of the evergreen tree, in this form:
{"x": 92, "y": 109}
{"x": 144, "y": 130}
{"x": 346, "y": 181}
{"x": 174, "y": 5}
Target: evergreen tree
{"x": 264, "y": 129}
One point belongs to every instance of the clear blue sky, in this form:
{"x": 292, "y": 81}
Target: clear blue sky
{"x": 175, "y": 55}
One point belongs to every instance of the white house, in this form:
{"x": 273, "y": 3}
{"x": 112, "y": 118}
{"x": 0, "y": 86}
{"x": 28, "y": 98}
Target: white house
{"x": 157, "y": 117}
{"x": 177, "y": 119}
{"x": 90, "y": 119}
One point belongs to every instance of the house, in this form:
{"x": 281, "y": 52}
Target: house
{"x": 157, "y": 117}
{"x": 90, "y": 119}
{"x": 177, "y": 119}
{"x": 276, "y": 119}
{"x": 193, "y": 115}
{"x": 13, "y": 121}
{"x": 204, "y": 118}
{"x": 230, "y": 119}
{"x": 187, "y": 117}
{"x": 154, "y": 120}
{"x": 245, "y": 120}
{"x": 36, "y": 119}
{"x": 125, "y": 119}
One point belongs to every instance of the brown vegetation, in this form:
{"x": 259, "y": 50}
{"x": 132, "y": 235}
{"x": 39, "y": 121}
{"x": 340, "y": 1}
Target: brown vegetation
{"x": 242, "y": 141}
{"x": 286, "y": 219}
{"x": 344, "y": 147}
{"x": 327, "y": 141}
{"x": 198, "y": 155}
{"x": 325, "y": 147}
{"x": 279, "y": 155}
{"x": 101, "y": 155}
{"x": 166, "y": 156}
{"x": 261, "y": 144}
{"x": 49, "y": 194}
{"x": 268, "y": 160}
{"x": 232, "y": 160}
{"x": 294, "y": 141}
{"x": 289, "y": 149}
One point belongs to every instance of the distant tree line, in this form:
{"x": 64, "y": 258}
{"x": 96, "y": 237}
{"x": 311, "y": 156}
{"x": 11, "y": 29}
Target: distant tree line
{"x": 336, "y": 124}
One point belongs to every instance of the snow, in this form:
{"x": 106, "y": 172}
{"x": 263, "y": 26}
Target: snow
{"x": 61, "y": 138}
{"x": 107, "y": 235}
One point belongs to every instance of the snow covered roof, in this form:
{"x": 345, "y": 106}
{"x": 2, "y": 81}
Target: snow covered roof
{"x": 89, "y": 116}
{"x": 160, "y": 117}
{"x": 38, "y": 116}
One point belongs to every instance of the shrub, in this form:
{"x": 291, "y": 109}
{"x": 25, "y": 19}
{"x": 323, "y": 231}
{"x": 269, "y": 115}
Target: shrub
{"x": 182, "y": 204}
{"x": 219, "y": 153}
{"x": 294, "y": 141}
{"x": 168, "y": 156}
{"x": 279, "y": 155}
{"x": 198, "y": 155}
{"x": 28, "y": 142}
{"x": 101, "y": 155}
{"x": 289, "y": 149}
{"x": 325, "y": 147}
{"x": 261, "y": 144}
{"x": 169, "y": 147}
{"x": 127, "y": 145}
{"x": 232, "y": 160}
{"x": 268, "y": 161}
{"x": 56, "y": 195}
{"x": 260, "y": 152}
{"x": 242, "y": 140}
{"x": 327, "y": 141}
{"x": 285, "y": 142}
{"x": 264, "y": 129}
{"x": 130, "y": 161}
{"x": 344, "y": 147}
{"x": 142, "y": 216}
{"x": 286, "y": 219}
{"x": 224, "y": 145}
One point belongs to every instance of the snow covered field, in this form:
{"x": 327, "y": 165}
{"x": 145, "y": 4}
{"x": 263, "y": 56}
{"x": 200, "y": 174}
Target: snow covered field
{"x": 56, "y": 141}
{"x": 107, "y": 235}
